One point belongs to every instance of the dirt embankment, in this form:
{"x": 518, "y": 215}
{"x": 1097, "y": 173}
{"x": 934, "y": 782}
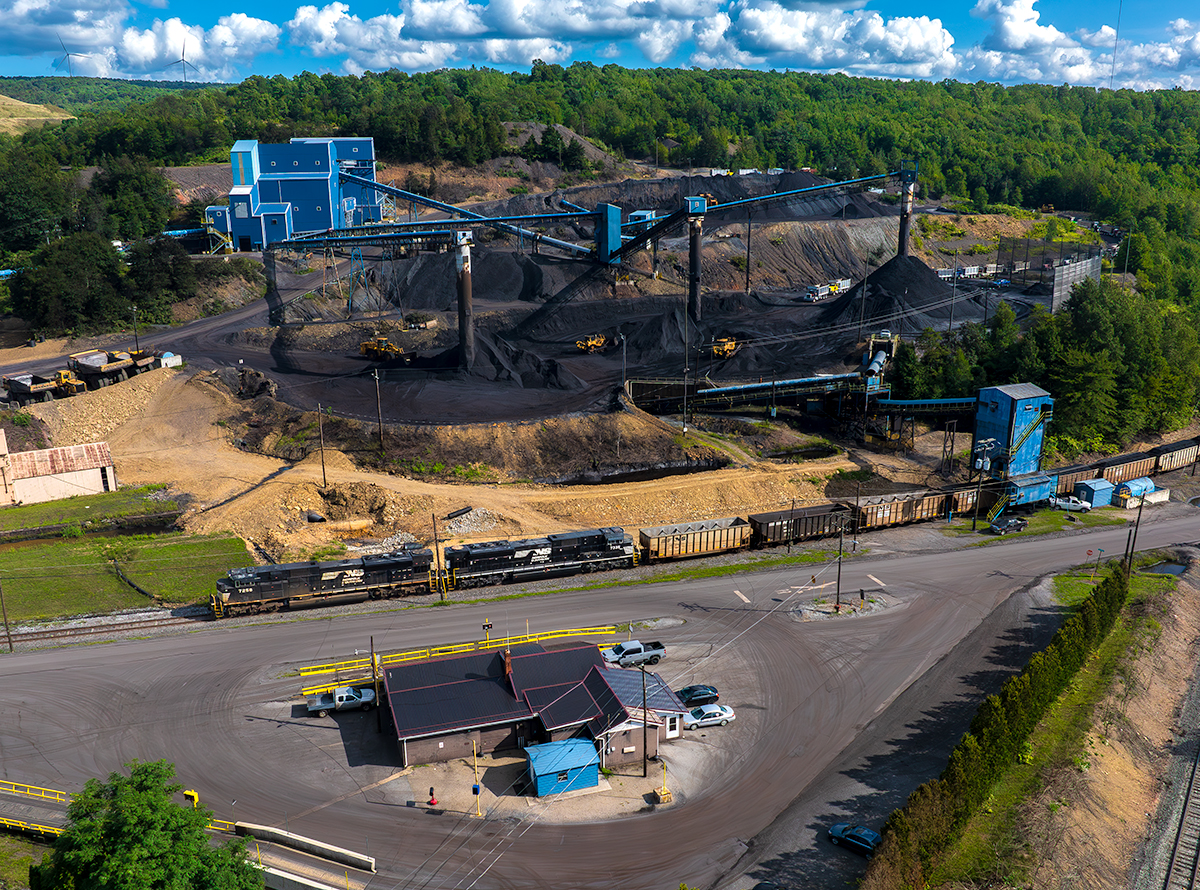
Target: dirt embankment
{"x": 1088, "y": 823}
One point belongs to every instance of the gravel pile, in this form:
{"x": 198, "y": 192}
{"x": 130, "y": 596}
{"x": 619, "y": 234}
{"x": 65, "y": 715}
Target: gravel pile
{"x": 92, "y": 416}
{"x": 387, "y": 545}
{"x": 472, "y": 523}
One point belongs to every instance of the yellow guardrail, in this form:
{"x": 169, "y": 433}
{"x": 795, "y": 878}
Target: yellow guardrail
{"x": 30, "y": 827}
{"x": 221, "y": 825}
{"x": 34, "y": 791}
{"x": 360, "y": 666}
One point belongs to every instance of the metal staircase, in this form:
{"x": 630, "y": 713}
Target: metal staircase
{"x": 998, "y": 508}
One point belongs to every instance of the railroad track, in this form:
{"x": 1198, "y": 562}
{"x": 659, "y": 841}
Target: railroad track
{"x": 93, "y": 630}
{"x": 1185, "y": 851}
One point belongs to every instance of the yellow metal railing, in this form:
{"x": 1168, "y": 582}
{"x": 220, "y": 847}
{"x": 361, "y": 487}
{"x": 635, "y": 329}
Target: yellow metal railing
{"x": 30, "y": 827}
{"x": 362, "y": 666}
{"x": 220, "y": 825}
{"x": 34, "y": 791}
{"x": 998, "y": 509}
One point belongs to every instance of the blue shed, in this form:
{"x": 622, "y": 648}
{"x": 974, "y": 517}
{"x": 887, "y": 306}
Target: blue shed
{"x": 1015, "y": 416}
{"x": 1097, "y": 492}
{"x": 1030, "y": 488}
{"x": 1136, "y": 487}
{"x": 567, "y": 765}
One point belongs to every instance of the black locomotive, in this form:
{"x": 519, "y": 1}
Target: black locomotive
{"x": 567, "y": 553}
{"x": 270, "y": 588}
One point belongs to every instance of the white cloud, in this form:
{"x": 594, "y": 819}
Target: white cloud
{"x": 373, "y": 44}
{"x": 161, "y": 50}
{"x": 661, "y": 39}
{"x": 524, "y": 51}
{"x": 1015, "y": 27}
{"x": 436, "y": 18}
{"x": 857, "y": 42}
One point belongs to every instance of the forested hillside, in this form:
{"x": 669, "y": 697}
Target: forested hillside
{"x": 1127, "y": 361}
{"x": 1130, "y": 157}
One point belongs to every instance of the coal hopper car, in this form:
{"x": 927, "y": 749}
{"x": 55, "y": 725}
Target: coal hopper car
{"x": 269, "y": 588}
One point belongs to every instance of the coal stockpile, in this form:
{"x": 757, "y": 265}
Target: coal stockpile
{"x": 903, "y": 290}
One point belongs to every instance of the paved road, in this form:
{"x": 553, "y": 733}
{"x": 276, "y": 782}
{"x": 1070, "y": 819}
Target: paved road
{"x": 216, "y": 702}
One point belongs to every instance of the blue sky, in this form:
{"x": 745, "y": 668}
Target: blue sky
{"x": 1007, "y": 41}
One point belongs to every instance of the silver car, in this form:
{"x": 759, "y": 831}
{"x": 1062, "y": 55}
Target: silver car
{"x": 708, "y": 715}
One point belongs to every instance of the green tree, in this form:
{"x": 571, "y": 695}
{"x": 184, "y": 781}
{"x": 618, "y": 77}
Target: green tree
{"x": 130, "y": 834}
{"x": 74, "y": 283}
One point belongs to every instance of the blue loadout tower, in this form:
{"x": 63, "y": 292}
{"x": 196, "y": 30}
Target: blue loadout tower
{"x": 283, "y": 189}
{"x": 1010, "y": 428}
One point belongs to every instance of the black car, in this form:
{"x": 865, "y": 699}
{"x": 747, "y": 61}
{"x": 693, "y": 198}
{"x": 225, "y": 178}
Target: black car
{"x": 694, "y": 696}
{"x": 1011, "y": 524}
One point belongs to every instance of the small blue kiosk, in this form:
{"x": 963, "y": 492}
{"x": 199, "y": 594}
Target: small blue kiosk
{"x": 567, "y": 765}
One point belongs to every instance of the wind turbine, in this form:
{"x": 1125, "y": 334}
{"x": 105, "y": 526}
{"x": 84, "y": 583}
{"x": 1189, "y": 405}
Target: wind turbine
{"x": 66, "y": 57}
{"x": 182, "y": 61}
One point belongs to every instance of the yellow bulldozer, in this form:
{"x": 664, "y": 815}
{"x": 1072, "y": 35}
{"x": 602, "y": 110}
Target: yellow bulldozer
{"x": 592, "y": 343}
{"x": 381, "y": 349}
{"x": 724, "y": 347}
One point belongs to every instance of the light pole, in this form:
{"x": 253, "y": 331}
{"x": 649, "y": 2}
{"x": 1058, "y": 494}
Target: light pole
{"x": 983, "y": 454}
{"x": 622, "y": 336}
{"x": 136, "y": 348}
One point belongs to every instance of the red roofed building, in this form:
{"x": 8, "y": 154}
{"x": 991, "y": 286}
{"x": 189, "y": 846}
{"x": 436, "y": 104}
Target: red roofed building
{"x": 49, "y": 474}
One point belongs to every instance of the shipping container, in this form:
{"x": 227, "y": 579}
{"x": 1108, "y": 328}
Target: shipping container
{"x": 804, "y": 524}
{"x": 694, "y": 538}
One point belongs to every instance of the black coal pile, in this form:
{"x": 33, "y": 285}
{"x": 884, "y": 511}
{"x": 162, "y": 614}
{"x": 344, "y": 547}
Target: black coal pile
{"x": 903, "y": 289}
{"x": 498, "y": 361}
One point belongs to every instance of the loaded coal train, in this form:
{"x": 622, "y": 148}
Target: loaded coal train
{"x": 410, "y": 571}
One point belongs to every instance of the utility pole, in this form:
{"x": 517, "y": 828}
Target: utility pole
{"x": 791, "y": 526}
{"x": 645, "y": 731}
{"x": 1136, "y": 526}
{"x": 379, "y": 412}
{"x": 841, "y": 542}
{"x": 437, "y": 567}
{"x": 375, "y": 677}
{"x": 4, "y": 609}
{"x": 136, "y": 348}
{"x": 321, "y": 432}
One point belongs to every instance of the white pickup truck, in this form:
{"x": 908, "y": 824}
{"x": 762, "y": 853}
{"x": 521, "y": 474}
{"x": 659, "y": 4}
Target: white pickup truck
{"x": 634, "y": 652}
{"x": 344, "y": 698}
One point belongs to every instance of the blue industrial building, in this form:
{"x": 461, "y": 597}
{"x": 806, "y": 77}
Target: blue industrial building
{"x": 280, "y": 190}
{"x": 1015, "y": 417}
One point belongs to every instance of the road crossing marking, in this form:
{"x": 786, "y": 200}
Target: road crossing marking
{"x": 741, "y": 596}
{"x": 876, "y": 580}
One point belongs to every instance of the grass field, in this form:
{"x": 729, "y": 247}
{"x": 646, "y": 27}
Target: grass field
{"x": 1041, "y": 523}
{"x": 16, "y": 855}
{"x": 75, "y": 577}
{"x": 93, "y": 507}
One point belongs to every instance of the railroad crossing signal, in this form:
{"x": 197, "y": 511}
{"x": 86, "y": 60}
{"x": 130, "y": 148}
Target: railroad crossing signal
{"x": 487, "y": 627}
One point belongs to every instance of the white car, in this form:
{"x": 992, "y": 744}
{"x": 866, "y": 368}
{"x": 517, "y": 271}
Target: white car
{"x": 708, "y": 715}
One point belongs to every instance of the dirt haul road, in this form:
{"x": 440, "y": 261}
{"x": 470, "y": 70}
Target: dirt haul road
{"x": 172, "y": 427}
